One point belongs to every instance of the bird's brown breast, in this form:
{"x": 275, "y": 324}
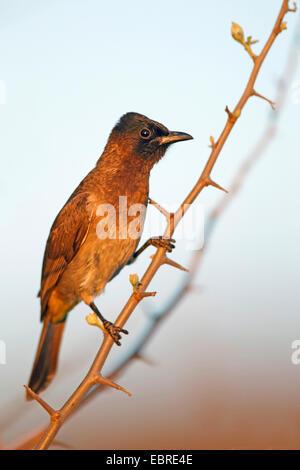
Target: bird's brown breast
{"x": 119, "y": 209}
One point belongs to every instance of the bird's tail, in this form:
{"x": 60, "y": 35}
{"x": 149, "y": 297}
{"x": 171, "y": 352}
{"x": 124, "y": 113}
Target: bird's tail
{"x": 46, "y": 357}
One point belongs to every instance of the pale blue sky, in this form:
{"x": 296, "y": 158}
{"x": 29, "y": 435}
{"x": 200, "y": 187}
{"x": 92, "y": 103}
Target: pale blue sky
{"x": 71, "y": 69}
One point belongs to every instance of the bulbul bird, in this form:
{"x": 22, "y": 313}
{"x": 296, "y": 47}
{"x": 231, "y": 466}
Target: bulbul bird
{"x": 78, "y": 260}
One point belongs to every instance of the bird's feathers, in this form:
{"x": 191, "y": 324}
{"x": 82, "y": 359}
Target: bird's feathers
{"x": 67, "y": 234}
{"x": 45, "y": 362}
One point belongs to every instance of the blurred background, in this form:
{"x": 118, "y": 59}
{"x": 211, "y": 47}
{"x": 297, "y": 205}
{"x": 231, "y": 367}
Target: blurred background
{"x": 221, "y": 374}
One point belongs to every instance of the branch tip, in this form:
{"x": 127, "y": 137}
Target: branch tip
{"x": 238, "y": 35}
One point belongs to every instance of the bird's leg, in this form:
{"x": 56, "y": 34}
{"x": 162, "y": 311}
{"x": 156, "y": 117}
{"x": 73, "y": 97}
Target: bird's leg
{"x": 158, "y": 242}
{"x": 112, "y": 329}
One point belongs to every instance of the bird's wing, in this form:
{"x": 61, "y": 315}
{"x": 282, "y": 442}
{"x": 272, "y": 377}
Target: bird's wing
{"x": 67, "y": 234}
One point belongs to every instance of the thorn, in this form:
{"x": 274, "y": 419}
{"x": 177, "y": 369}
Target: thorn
{"x": 228, "y": 112}
{"x": 212, "y": 142}
{"x": 174, "y": 264}
{"x": 140, "y": 295}
{"x": 134, "y": 281}
{"x": 272, "y": 104}
{"x": 160, "y": 208}
{"x": 45, "y": 405}
{"x": 294, "y": 9}
{"x": 232, "y": 117}
{"x": 110, "y": 383}
{"x": 210, "y": 182}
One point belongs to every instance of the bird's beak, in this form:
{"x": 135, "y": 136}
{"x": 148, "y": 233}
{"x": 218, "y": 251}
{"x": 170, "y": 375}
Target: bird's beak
{"x": 174, "y": 137}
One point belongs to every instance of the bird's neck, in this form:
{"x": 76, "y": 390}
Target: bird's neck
{"x": 119, "y": 161}
{"x": 129, "y": 174}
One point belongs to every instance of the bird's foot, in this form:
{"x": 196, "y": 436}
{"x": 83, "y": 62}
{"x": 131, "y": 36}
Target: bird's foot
{"x": 162, "y": 242}
{"x": 114, "y": 331}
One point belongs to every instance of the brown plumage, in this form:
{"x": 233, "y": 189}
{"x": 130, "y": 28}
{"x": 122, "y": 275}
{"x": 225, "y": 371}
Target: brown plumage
{"x": 82, "y": 254}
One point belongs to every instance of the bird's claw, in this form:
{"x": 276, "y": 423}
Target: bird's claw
{"x": 114, "y": 331}
{"x": 163, "y": 242}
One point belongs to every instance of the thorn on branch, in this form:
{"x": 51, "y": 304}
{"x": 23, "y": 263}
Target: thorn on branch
{"x": 230, "y": 114}
{"x": 140, "y": 295}
{"x": 272, "y": 103}
{"x": 53, "y": 413}
{"x": 210, "y": 182}
{"x": 160, "y": 208}
{"x": 212, "y": 142}
{"x": 294, "y": 9}
{"x": 110, "y": 383}
{"x": 170, "y": 262}
{"x": 134, "y": 281}
{"x": 232, "y": 117}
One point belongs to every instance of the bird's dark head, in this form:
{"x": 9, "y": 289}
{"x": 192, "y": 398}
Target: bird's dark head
{"x": 144, "y": 139}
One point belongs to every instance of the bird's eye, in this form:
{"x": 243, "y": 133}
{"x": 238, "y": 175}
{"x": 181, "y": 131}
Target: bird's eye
{"x": 145, "y": 133}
